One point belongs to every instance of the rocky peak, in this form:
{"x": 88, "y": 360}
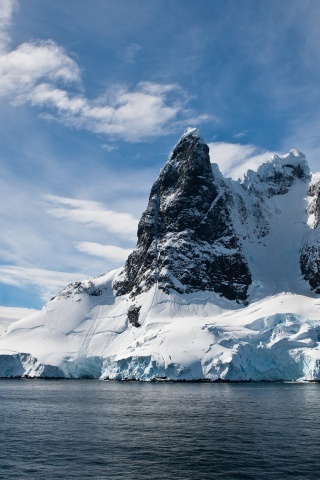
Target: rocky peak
{"x": 281, "y": 167}
{"x": 186, "y": 238}
{"x": 277, "y": 175}
{"x": 184, "y": 183}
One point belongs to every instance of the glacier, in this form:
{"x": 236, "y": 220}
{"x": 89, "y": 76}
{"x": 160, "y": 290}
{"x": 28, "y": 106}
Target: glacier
{"x": 223, "y": 285}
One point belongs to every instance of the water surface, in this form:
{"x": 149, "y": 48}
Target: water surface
{"x": 88, "y": 429}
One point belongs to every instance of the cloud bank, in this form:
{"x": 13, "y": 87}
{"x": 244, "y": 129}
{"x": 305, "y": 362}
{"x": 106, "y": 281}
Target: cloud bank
{"x": 45, "y": 282}
{"x": 9, "y": 315}
{"x": 44, "y": 75}
{"x": 235, "y": 160}
{"x": 92, "y": 214}
{"x": 110, "y": 252}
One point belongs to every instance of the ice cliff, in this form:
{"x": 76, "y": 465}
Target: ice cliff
{"x": 223, "y": 284}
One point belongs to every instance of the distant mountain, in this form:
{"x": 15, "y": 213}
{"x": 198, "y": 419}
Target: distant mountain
{"x": 223, "y": 284}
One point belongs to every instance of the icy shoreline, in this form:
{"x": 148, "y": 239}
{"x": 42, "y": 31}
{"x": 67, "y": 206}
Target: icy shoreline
{"x": 160, "y": 380}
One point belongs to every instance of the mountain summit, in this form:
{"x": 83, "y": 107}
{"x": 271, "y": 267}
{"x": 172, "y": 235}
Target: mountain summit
{"x": 186, "y": 238}
{"x": 203, "y": 232}
{"x": 223, "y": 284}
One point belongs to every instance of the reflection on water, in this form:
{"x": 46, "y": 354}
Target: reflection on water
{"x": 129, "y": 430}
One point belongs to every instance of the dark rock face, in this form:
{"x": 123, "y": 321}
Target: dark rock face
{"x": 310, "y": 253}
{"x": 133, "y": 315}
{"x": 186, "y": 238}
{"x": 314, "y": 206}
{"x": 310, "y": 265}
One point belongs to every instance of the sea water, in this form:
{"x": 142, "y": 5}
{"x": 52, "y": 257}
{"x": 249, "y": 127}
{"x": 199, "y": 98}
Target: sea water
{"x": 90, "y": 429}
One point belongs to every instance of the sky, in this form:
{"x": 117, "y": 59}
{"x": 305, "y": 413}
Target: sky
{"x": 94, "y": 96}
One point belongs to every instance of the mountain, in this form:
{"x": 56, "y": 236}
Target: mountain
{"x": 186, "y": 238}
{"x": 223, "y": 284}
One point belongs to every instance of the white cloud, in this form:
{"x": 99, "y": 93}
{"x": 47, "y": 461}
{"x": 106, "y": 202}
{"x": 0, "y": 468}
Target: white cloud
{"x": 43, "y": 75}
{"x": 22, "y": 70}
{"x": 132, "y": 52}
{"x": 34, "y": 241}
{"x": 241, "y": 134}
{"x": 133, "y": 115}
{"x": 109, "y": 148}
{"x": 93, "y": 214}
{"x": 9, "y": 315}
{"x": 6, "y": 12}
{"x": 110, "y": 252}
{"x": 46, "y": 282}
{"x": 235, "y": 160}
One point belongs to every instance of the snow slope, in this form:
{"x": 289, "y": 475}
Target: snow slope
{"x": 181, "y": 337}
{"x": 181, "y": 331}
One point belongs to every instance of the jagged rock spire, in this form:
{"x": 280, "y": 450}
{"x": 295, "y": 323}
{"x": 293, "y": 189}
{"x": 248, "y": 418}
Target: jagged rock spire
{"x": 186, "y": 240}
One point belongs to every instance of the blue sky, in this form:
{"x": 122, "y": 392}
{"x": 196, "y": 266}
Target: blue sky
{"x": 94, "y": 95}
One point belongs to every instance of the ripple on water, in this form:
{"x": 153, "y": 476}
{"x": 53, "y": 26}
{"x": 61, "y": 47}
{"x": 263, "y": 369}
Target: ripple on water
{"x": 89, "y": 429}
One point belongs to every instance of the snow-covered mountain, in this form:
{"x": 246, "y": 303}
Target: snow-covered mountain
{"x": 224, "y": 283}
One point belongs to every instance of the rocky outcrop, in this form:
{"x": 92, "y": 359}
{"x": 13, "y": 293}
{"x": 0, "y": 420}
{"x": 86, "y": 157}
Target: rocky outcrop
{"x": 277, "y": 176}
{"x": 186, "y": 238}
{"x": 314, "y": 205}
{"x": 310, "y": 253}
{"x": 310, "y": 264}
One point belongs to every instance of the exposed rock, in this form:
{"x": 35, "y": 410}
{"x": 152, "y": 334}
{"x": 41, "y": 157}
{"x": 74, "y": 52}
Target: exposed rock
{"x": 310, "y": 265}
{"x": 310, "y": 252}
{"x": 186, "y": 238}
{"x": 133, "y": 315}
{"x": 78, "y": 288}
{"x": 278, "y": 174}
{"x": 314, "y": 205}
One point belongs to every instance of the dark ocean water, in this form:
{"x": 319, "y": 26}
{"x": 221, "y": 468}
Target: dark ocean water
{"x": 108, "y": 430}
